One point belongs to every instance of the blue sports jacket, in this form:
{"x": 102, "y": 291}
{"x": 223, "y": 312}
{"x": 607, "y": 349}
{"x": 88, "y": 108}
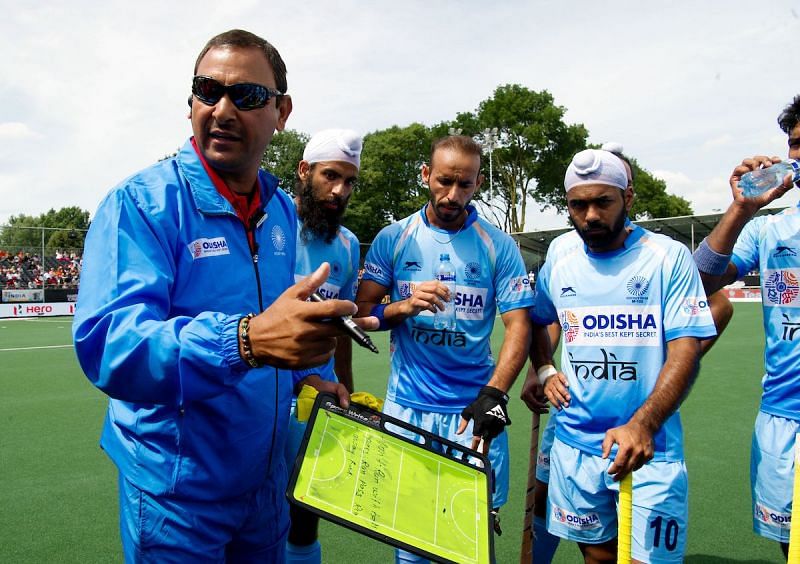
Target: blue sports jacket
{"x": 167, "y": 275}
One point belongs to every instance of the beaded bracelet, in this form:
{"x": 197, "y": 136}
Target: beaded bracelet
{"x": 247, "y": 349}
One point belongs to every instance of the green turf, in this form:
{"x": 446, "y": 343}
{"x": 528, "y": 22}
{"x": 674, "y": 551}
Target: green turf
{"x": 58, "y": 490}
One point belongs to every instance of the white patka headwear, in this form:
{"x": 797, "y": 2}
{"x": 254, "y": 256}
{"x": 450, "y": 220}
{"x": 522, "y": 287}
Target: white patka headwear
{"x": 595, "y": 166}
{"x": 342, "y": 145}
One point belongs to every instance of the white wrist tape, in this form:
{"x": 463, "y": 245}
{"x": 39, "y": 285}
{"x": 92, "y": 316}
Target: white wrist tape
{"x": 545, "y": 372}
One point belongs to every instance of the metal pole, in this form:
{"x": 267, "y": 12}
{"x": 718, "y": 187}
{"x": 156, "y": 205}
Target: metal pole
{"x": 41, "y": 263}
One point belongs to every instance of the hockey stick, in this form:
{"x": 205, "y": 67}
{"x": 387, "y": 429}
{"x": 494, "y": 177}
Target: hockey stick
{"x": 526, "y": 549}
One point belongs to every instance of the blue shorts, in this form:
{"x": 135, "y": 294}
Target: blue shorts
{"x": 772, "y": 475}
{"x": 582, "y": 504}
{"x": 244, "y": 529}
{"x": 543, "y": 456}
{"x": 445, "y": 425}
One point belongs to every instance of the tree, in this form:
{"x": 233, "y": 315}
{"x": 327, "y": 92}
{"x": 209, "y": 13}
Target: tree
{"x": 283, "y": 154}
{"x": 534, "y": 147}
{"x": 389, "y": 182}
{"x": 65, "y": 229}
{"x": 652, "y": 199}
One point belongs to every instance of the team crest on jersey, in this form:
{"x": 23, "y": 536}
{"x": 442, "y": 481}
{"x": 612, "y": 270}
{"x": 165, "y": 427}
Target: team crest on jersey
{"x": 638, "y": 287}
{"x": 772, "y": 517}
{"x": 472, "y": 271}
{"x": 204, "y": 248}
{"x": 584, "y": 522}
{"x": 782, "y": 287}
{"x": 278, "y": 239}
{"x": 569, "y": 325}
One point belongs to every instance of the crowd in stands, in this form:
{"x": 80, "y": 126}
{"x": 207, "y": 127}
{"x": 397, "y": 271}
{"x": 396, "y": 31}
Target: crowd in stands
{"x": 24, "y": 270}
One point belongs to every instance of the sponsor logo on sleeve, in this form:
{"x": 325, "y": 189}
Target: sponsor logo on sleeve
{"x": 519, "y": 284}
{"x": 204, "y": 248}
{"x": 585, "y": 522}
{"x": 543, "y": 460}
{"x": 771, "y": 517}
{"x": 373, "y": 269}
{"x": 694, "y": 306}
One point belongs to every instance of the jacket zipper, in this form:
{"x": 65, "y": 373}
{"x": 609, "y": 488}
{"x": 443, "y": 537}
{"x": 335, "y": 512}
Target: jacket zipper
{"x": 254, "y": 256}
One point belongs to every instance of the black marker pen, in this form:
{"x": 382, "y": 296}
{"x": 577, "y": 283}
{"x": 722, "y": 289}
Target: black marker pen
{"x": 355, "y": 332}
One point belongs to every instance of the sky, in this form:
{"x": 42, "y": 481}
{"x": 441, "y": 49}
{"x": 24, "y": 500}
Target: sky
{"x": 95, "y": 91}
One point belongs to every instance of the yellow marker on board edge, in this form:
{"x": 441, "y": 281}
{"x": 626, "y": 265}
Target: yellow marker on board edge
{"x": 794, "y": 530}
{"x": 624, "y": 520}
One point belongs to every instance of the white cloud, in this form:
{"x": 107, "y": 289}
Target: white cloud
{"x": 96, "y": 98}
{"x": 14, "y": 130}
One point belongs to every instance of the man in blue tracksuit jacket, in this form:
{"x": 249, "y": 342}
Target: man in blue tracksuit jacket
{"x": 176, "y": 258}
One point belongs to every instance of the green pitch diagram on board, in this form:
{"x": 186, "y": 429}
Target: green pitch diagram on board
{"x": 384, "y": 486}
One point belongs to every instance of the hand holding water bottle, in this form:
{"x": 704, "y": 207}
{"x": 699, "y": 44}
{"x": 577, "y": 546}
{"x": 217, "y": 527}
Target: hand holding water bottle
{"x": 760, "y": 180}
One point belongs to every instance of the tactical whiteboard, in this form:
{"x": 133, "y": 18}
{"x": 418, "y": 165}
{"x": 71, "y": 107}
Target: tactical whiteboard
{"x": 354, "y": 471}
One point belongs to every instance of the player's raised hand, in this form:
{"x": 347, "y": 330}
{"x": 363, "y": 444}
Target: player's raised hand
{"x": 292, "y": 332}
{"x": 757, "y": 202}
{"x": 634, "y": 448}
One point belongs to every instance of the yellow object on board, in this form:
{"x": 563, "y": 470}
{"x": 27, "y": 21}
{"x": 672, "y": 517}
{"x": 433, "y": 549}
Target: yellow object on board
{"x": 307, "y": 395}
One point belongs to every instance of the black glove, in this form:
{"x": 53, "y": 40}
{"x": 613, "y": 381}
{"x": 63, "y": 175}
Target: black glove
{"x": 489, "y": 411}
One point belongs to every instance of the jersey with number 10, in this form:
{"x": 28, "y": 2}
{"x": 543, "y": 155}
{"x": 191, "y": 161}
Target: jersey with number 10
{"x": 617, "y": 312}
{"x": 438, "y": 369}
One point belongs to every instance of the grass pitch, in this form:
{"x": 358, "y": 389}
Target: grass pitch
{"x": 58, "y": 490}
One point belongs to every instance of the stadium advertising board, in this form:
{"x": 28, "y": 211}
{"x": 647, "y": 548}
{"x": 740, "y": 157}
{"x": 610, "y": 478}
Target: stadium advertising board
{"x": 37, "y": 310}
{"x": 23, "y": 296}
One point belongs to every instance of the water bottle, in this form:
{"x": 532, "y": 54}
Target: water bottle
{"x": 446, "y": 274}
{"x": 757, "y": 182}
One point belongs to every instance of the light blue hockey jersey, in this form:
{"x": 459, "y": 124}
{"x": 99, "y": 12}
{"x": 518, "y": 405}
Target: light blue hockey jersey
{"x": 617, "y": 312}
{"x": 438, "y": 369}
{"x": 772, "y": 245}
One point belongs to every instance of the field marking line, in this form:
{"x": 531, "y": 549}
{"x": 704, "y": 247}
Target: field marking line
{"x": 453, "y": 512}
{"x": 316, "y": 454}
{"x": 36, "y": 348}
{"x": 397, "y": 491}
{"x": 436, "y": 507}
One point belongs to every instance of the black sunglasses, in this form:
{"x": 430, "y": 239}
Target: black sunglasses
{"x": 244, "y": 95}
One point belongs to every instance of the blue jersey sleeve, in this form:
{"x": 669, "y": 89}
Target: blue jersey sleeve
{"x": 745, "y": 252}
{"x": 378, "y": 265}
{"x": 686, "y": 310}
{"x": 512, "y": 287}
{"x": 543, "y": 311}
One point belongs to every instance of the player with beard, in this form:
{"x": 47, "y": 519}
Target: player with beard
{"x": 633, "y": 312}
{"x": 325, "y": 179}
{"x": 440, "y": 378}
{"x": 532, "y": 392}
